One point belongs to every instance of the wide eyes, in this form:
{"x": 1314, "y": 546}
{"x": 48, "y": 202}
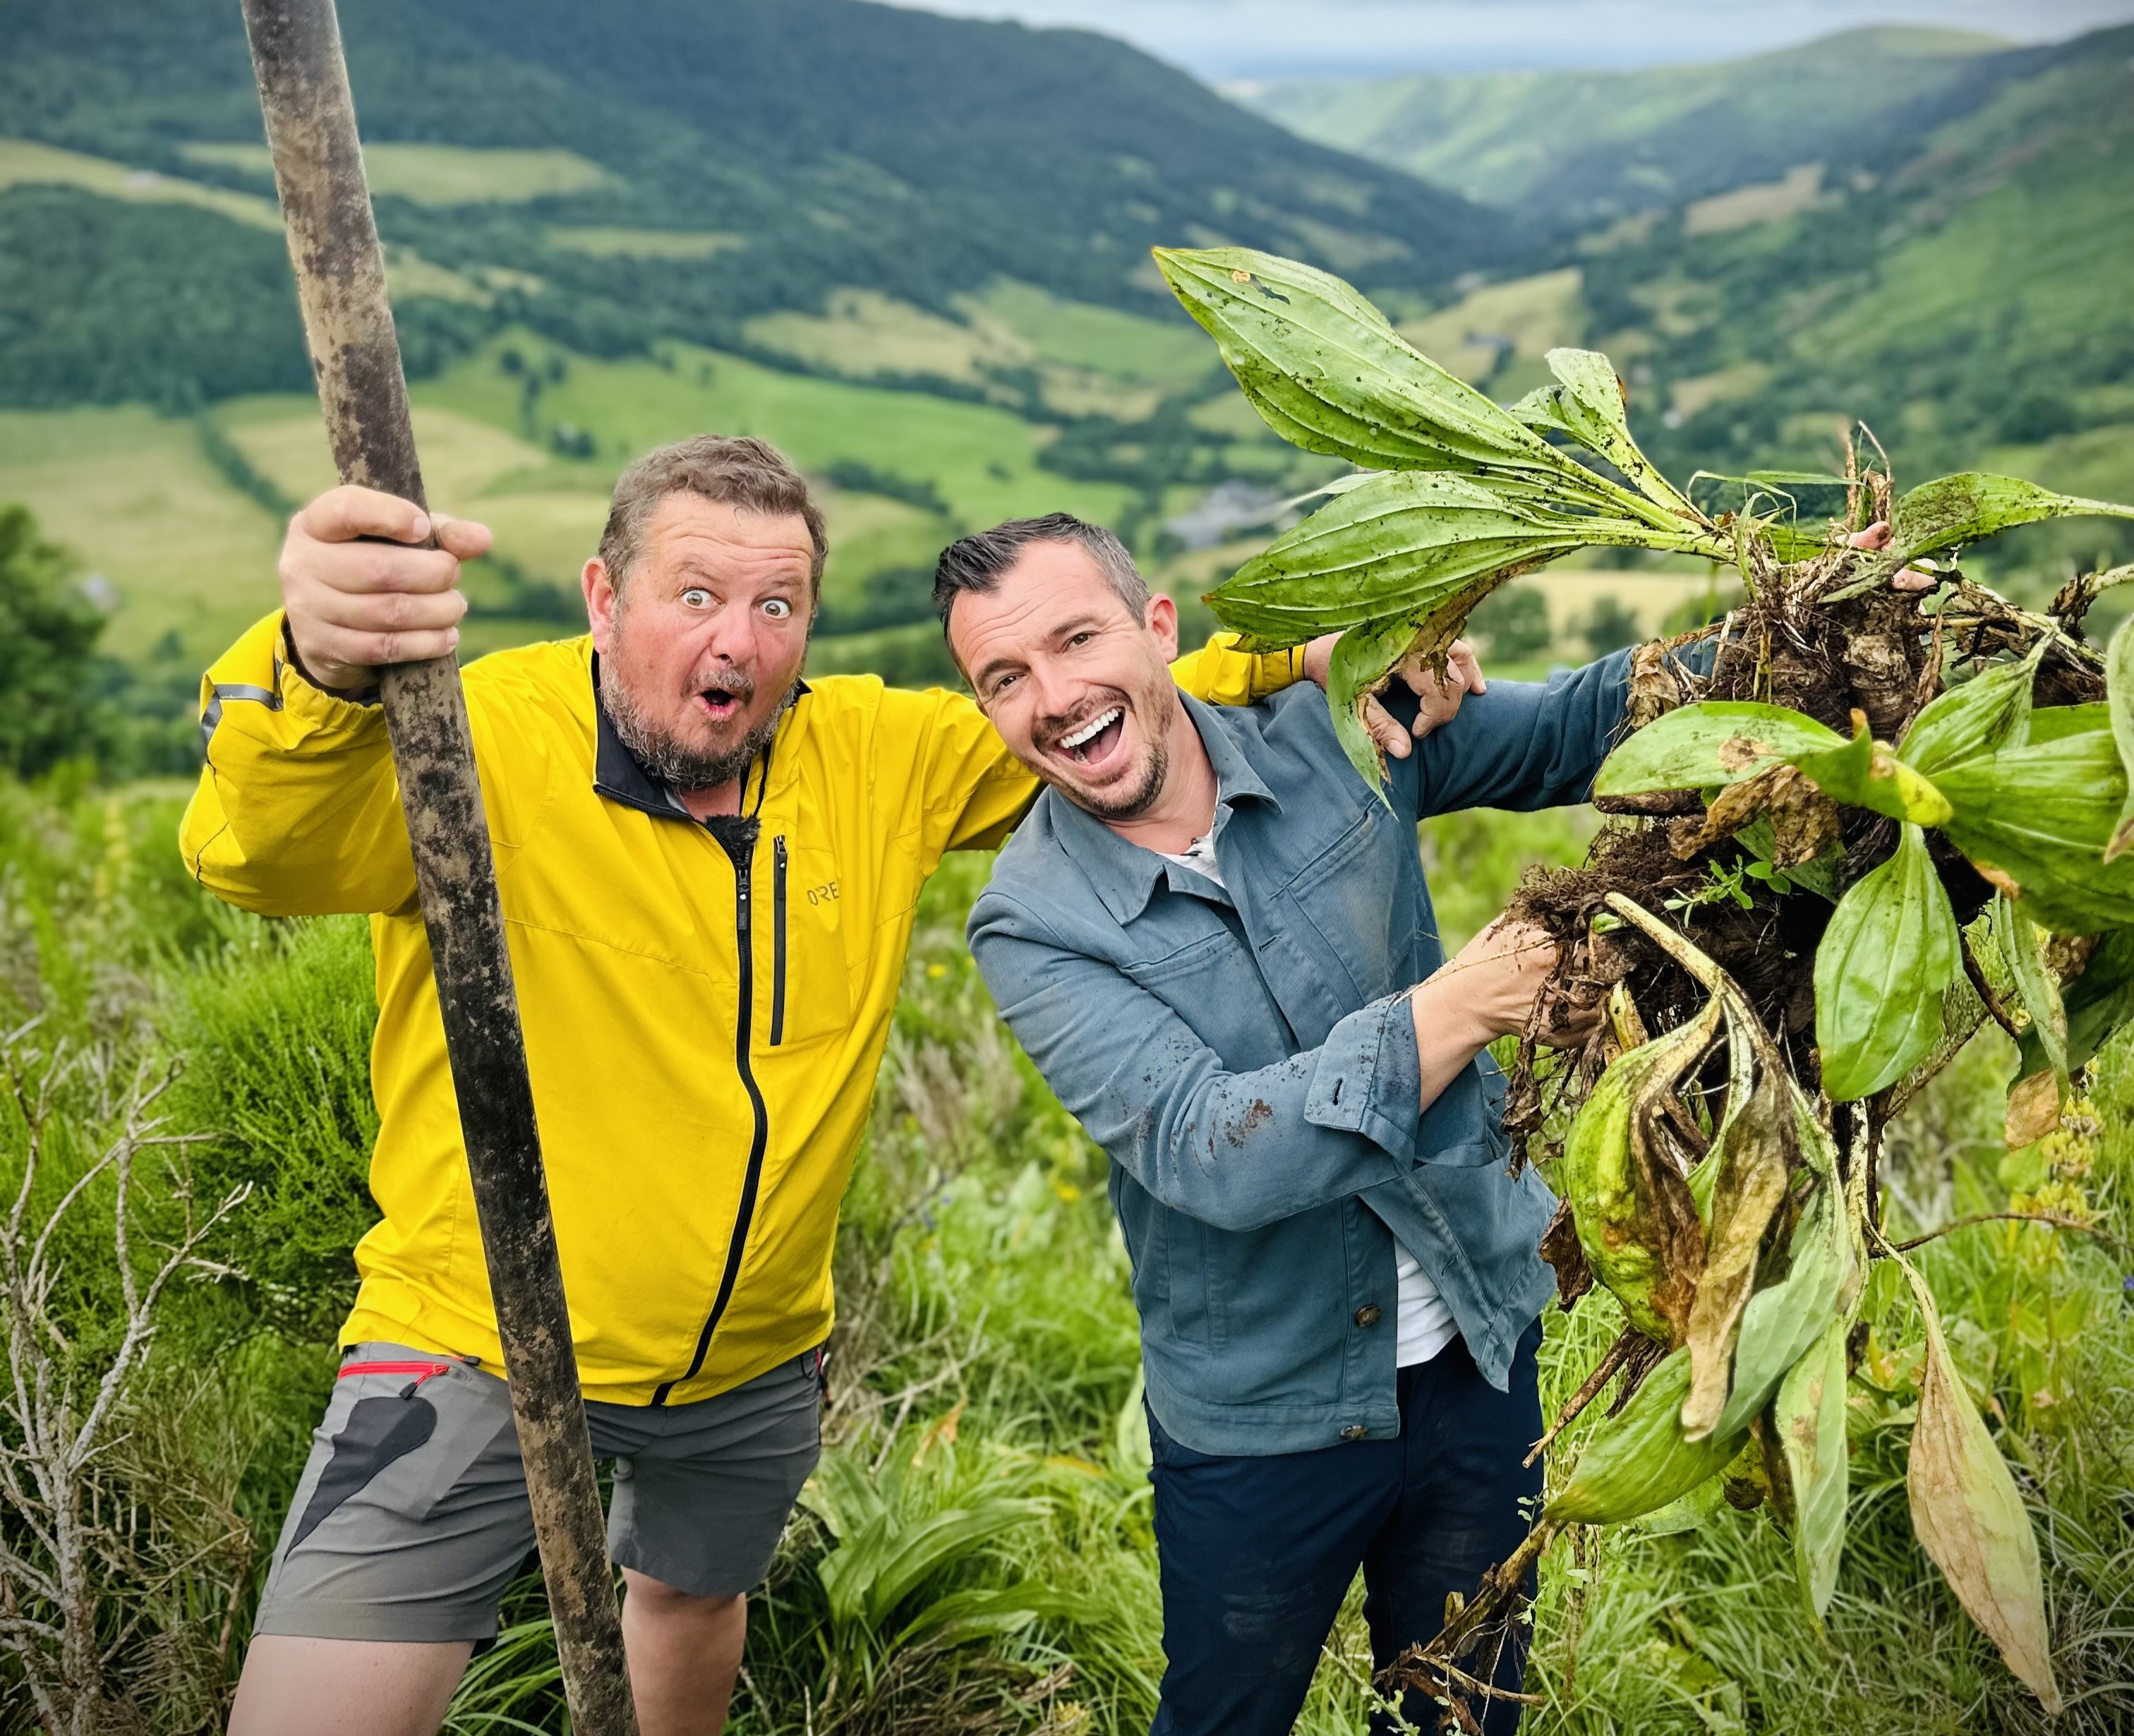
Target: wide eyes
{"x": 699, "y": 596}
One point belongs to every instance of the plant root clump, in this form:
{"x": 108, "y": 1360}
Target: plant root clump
{"x": 1880, "y": 657}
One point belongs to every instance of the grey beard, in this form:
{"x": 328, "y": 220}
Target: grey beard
{"x": 669, "y": 761}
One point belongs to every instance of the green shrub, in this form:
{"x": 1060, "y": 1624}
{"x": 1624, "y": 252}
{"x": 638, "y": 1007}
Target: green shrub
{"x": 278, "y": 1034}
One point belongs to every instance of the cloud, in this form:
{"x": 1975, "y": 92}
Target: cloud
{"x": 1237, "y": 39}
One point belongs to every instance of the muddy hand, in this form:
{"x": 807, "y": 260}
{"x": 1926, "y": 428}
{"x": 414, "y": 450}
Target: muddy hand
{"x": 1437, "y": 700}
{"x": 1877, "y": 535}
{"x": 359, "y": 596}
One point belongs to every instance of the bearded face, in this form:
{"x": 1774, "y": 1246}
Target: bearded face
{"x": 1079, "y": 686}
{"x": 702, "y": 642}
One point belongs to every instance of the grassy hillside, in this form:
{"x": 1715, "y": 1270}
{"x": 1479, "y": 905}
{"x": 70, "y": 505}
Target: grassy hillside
{"x": 1967, "y": 304}
{"x": 180, "y": 514}
{"x": 1970, "y": 306}
{"x": 1583, "y": 147}
{"x": 838, "y": 143}
{"x": 912, "y": 249}
{"x": 566, "y": 297}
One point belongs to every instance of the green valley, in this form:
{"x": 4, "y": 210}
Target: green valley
{"x": 574, "y": 284}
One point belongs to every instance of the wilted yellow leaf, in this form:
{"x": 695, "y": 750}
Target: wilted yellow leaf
{"x": 1969, "y": 1514}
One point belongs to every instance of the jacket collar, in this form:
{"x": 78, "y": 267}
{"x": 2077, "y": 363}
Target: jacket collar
{"x": 618, "y": 775}
{"x": 1125, "y": 874}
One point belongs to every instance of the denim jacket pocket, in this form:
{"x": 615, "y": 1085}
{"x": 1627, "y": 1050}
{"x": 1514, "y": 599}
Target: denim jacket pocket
{"x": 1196, "y": 1298}
{"x": 1345, "y": 908}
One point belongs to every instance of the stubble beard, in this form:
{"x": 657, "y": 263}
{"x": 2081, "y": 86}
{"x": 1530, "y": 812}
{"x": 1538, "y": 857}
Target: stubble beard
{"x": 1142, "y": 796}
{"x": 1140, "y": 799}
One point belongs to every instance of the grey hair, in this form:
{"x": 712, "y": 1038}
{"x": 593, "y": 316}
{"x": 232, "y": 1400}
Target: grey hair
{"x": 976, "y": 562}
{"x": 733, "y": 470}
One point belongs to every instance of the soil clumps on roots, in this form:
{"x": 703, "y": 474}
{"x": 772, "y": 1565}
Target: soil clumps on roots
{"x": 1878, "y": 655}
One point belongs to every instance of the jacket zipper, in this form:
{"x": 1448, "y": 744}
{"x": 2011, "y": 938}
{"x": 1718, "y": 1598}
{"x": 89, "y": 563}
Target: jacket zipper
{"x": 778, "y": 941}
{"x": 744, "y": 1025}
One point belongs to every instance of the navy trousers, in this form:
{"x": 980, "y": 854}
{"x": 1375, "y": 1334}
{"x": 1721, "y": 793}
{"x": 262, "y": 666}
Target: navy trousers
{"x": 1257, "y": 1554}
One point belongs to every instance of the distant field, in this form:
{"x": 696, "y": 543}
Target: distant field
{"x": 983, "y": 459}
{"x": 1090, "y": 361}
{"x": 1572, "y": 593}
{"x": 1172, "y": 351}
{"x": 444, "y": 174}
{"x": 1763, "y": 202}
{"x": 24, "y": 163}
{"x": 130, "y": 492}
{"x": 185, "y": 551}
{"x": 863, "y": 332}
{"x": 625, "y": 244}
{"x": 1527, "y": 315}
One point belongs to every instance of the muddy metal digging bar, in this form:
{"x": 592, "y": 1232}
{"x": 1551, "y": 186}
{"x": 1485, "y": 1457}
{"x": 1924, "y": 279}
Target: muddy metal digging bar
{"x": 341, "y": 281}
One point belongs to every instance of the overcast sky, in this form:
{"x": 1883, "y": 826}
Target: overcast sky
{"x": 1232, "y": 39}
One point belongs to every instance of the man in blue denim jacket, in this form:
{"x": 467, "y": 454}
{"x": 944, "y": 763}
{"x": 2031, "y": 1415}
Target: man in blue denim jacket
{"x": 1217, "y": 944}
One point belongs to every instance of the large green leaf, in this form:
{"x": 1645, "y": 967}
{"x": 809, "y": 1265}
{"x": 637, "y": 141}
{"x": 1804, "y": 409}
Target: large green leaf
{"x": 1363, "y": 657}
{"x": 1633, "y": 1214}
{"x": 1328, "y": 372}
{"x": 1890, "y": 951}
{"x": 2119, "y": 690}
{"x": 1970, "y": 1515}
{"x": 1988, "y": 713}
{"x": 2038, "y": 816}
{"x": 1866, "y": 774}
{"x": 2056, "y": 723}
{"x": 1952, "y": 510}
{"x": 2093, "y": 1007}
{"x": 1702, "y": 746}
{"x": 1786, "y": 1317}
{"x": 1638, "y": 1460}
{"x": 1753, "y": 1161}
{"x": 2019, "y": 939}
{"x": 1406, "y": 543}
{"x": 1809, "y": 1412}
{"x": 1591, "y": 406}
{"x": 2100, "y": 1000}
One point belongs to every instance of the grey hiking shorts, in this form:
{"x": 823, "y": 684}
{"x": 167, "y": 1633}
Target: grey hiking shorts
{"x": 412, "y": 1518}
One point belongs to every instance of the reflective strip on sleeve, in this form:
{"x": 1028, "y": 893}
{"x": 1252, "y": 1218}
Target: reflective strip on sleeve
{"x": 237, "y": 690}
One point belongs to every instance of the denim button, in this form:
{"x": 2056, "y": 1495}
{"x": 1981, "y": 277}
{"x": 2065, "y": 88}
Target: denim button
{"x": 1368, "y": 1314}
{"x": 1354, "y": 1431}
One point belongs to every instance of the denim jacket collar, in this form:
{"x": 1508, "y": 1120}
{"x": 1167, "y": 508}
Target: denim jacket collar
{"x": 1125, "y": 874}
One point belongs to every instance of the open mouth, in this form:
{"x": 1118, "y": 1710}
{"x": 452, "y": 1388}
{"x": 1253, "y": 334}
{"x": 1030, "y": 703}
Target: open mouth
{"x": 719, "y": 704}
{"x": 1094, "y": 741}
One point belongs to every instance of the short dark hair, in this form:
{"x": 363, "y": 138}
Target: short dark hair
{"x": 736, "y": 470}
{"x": 976, "y": 562}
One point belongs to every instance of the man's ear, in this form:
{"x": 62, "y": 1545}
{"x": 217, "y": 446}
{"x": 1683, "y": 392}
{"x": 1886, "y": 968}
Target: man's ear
{"x": 600, "y": 604}
{"x": 1161, "y": 618}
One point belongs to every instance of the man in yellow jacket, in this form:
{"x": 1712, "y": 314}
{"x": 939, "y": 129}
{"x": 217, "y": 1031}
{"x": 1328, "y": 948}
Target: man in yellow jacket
{"x": 708, "y": 869}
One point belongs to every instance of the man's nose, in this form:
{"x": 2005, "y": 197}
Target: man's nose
{"x": 1056, "y": 692}
{"x": 729, "y": 635}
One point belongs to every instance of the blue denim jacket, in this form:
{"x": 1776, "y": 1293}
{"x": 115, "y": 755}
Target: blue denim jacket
{"x": 1247, "y": 1057}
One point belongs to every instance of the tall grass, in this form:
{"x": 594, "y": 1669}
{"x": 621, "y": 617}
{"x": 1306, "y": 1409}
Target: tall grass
{"x": 985, "y": 1368}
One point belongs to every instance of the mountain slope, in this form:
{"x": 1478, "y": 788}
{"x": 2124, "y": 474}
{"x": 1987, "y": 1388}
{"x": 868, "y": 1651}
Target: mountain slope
{"x": 1582, "y": 147}
{"x": 848, "y": 143}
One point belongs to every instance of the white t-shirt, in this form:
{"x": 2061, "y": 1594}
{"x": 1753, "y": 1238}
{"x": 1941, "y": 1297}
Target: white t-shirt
{"x": 1424, "y": 1324}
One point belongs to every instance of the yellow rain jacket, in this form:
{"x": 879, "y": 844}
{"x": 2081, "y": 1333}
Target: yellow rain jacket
{"x": 703, "y": 1014}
